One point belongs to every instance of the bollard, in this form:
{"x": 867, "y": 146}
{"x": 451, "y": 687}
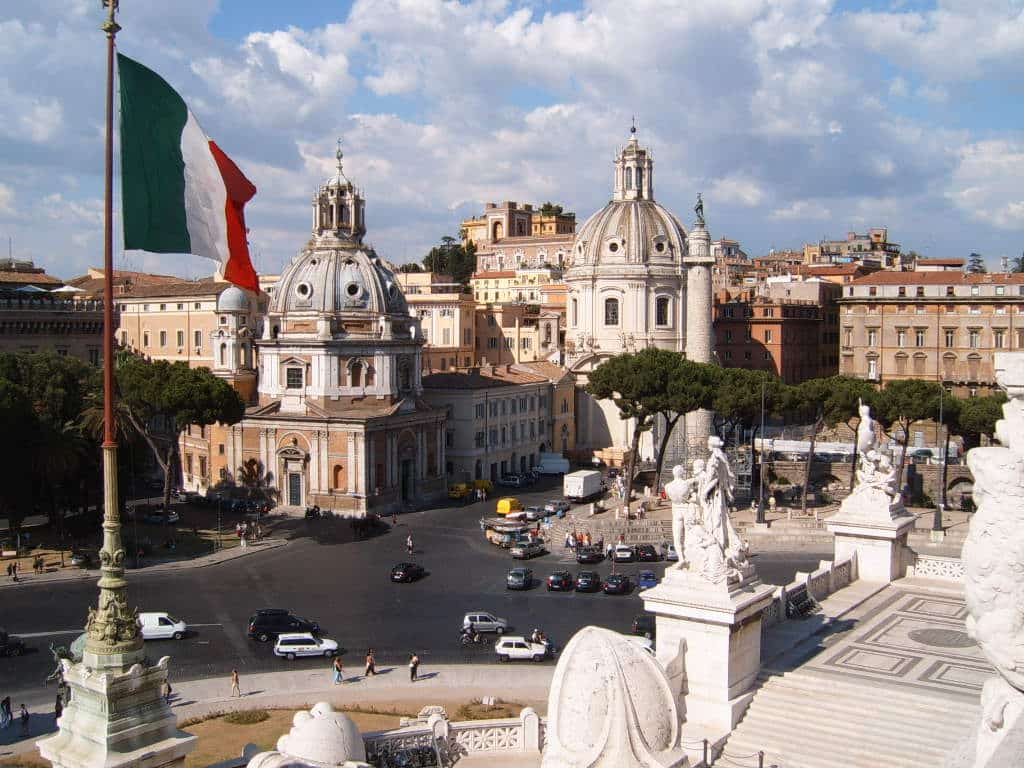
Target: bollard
{"x": 760, "y": 759}
{"x": 705, "y": 752}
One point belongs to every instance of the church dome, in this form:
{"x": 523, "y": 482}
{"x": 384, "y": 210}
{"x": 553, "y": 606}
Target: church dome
{"x": 233, "y": 299}
{"x": 330, "y": 281}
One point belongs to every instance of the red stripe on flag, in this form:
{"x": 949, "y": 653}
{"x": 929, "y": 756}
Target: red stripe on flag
{"x": 239, "y": 269}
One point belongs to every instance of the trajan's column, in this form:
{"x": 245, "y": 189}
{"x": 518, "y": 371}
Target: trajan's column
{"x": 700, "y": 338}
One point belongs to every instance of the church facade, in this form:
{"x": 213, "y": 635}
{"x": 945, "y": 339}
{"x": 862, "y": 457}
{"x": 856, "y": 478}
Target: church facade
{"x": 339, "y": 421}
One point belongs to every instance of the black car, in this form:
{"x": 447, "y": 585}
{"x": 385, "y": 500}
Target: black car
{"x": 268, "y": 623}
{"x": 588, "y": 581}
{"x": 10, "y": 645}
{"x": 643, "y": 624}
{"x": 589, "y": 555}
{"x": 617, "y": 584}
{"x": 561, "y": 581}
{"x": 407, "y": 572}
{"x": 646, "y": 553}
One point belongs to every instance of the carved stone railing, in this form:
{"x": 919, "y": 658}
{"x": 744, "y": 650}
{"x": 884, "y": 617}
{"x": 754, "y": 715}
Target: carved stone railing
{"x": 937, "y": 567}
{"x": 827, "y": 578}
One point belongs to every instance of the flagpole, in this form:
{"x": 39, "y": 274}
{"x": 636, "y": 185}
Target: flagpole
{"x": 113, "y": 640}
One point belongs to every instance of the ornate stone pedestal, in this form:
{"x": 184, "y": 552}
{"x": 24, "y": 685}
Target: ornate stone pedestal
{"x": 717, "y": 629}
{"x": 116, "y": 719}
{"x": 880, "y": 544}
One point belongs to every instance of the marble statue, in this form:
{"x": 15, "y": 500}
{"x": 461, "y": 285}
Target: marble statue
{"x": 875, "y": 496}
{"x": 992, "y": 557}
{"x": 705, "y": 539}
{"x": 611, "y": 706}
{"x": 699, "y": 209}
{"x": 319, "y": 738}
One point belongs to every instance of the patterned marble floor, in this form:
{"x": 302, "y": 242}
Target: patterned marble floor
{"x": 912, "y": 638}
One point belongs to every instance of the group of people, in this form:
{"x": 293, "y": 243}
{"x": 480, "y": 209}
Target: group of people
{"x": 575, "y": 539}
{"x": 7, "y": 716}
{"x": 247, "y": 532}
{"x": 12, "y": 571}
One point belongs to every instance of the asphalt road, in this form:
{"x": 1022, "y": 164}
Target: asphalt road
{"x": 345, "y": 587}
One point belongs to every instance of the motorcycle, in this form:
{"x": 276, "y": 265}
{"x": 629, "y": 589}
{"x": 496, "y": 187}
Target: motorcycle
{"x": 470, "y": 638}
{"x": 312, "y": 512}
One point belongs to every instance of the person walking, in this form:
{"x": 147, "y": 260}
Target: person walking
{"x": 414, "y": 666}
{"x": 6, "y": 716}
{"x": 24, "y": 720}
{"x": 339, "y": 671}
{"x": 394, "y": 518}
{"x": 236, "y": 690}
{"x": 408, "y": 544}
{"x": 371, "y": 663}
{"x": 167, "y": 691}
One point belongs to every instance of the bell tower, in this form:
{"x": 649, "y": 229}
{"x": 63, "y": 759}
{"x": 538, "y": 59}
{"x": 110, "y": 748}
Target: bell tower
{"x": 338, "y": 207}
{"x": 634, "y": 171}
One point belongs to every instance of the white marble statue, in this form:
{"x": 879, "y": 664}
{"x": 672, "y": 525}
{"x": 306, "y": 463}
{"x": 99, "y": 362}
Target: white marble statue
{"x": 993, "y": 556}
{"x": 319, "y": 738}
{"x": 611, "y": 706}
{"x": 682, "y": 492}
{"x": 875, "y": 496}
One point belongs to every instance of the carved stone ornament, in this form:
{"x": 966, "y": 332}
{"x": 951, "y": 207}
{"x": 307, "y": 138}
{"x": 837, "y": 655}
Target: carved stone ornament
{"x": 993, "y": 558}
{"x": 875, "y": 496}
{"x": 318, "y": 738}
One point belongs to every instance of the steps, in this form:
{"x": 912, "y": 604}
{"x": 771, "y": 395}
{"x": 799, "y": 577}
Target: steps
{"x": 636, "y": 531}
{"x": 809, "y": 719}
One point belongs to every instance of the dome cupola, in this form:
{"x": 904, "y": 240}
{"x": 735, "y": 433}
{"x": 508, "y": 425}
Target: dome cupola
{"x": 338, "y": 207}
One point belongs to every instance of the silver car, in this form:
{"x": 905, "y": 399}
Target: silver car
{"x": 482, "y": 621}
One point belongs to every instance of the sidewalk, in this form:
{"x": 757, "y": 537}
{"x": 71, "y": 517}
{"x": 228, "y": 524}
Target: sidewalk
{"x": 73, "y": 573}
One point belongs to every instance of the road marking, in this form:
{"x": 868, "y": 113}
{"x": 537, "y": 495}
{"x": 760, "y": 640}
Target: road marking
{"x": 51, "y": 634}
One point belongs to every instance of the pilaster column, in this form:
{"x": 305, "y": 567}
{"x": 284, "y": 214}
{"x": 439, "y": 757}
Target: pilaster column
{"x": 351, "y": 463}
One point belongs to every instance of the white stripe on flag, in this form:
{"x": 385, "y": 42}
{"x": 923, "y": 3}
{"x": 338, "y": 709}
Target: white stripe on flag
{"x": 205, "y": 195}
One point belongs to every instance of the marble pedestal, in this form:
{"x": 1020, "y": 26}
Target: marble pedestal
{"x": 717, "y": 628}
{"x": 875, "y": 528}
{"x": 117, "y": 719}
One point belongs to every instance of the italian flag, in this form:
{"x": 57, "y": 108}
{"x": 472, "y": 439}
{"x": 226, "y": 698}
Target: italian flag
{"x": 179, "y": 192}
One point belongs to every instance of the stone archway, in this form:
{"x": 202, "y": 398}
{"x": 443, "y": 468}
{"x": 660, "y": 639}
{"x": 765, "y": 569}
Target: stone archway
{"x": 407, "y": 466}
{"x": 292, "y": 469}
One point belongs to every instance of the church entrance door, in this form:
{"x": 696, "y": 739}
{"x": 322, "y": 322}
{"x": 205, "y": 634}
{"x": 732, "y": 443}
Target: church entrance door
{"x": 406, "y": 474}
{"x": 294, "y": 489}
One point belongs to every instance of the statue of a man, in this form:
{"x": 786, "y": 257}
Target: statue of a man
{"x": 699, "y": 209}
{"x": 716, "y": 494}
{"x": 682, "y": 492}
{"x": 866, "y": 439}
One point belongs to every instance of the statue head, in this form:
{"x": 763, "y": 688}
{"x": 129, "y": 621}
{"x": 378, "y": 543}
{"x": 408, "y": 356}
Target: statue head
{"x": 678, "y": 472}
{"x": 864, "y": 410}
{"x": 714, "y": 442}
{"x": 698, "y": 466}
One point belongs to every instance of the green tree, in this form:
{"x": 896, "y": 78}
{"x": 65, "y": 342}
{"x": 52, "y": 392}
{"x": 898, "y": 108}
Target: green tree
{"x": 737, "y": 399}
{"x": 691, "y": 387}
{"x": 901, "y": 404}
{"x": 639, "y": 385}
{"x": 976, "y": 264}
{"x": 410, "y": 266}
{"x": 452, "y": 258}
{"x": 160, "y": 399}
{"x": 1017, "y": 263}
{"x": 978, "y": 417}
{"x": 18, "y": 422}
{"x": 551, "y": 209}
{"x": 256, "y": 482}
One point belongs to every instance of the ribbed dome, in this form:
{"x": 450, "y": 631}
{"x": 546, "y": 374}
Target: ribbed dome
{"x": 338, "y": 280}
{"x": 233, "y": 299}
{"x": 630, "y": 232}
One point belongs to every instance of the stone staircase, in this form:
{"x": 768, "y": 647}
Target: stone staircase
{"x": 808, "y": 719}
{"x": 636, "y": 531}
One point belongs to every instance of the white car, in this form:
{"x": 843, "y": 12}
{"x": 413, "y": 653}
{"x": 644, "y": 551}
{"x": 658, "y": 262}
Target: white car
{"x": 481, "y": 621}
{"x": 292, "y": 644}
{"x": 516, "y": 647}
{"x": 668, "y": 551}
{"x": 623, "y": 553}
{"x": 161, "y": 626}
{"x": 535, "y": 513}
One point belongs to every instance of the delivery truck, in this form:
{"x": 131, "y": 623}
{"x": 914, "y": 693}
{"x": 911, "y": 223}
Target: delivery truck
{"x": 584, "y": 485}
{"x": 552, "y": 464}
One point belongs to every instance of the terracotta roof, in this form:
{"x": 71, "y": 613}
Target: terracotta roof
{"x": 488, "y": 275}
{"x": 543, "y": 368}
{"x": 137, "y": 278}
{"x": 28, "y": 278}
{"x": 940, "y": 262}
{"x": 837, "y": 269}
{"x": 175, "y": 290}
{"x": 939, "y": 278}
{"x": 478, "y": 379}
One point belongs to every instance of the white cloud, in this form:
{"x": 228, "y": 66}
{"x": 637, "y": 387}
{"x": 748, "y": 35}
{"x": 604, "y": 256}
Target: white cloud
{"x": 737, "y": 190}
{"x": 6, "y": 200}
{"x": 986, "y": 183}
{"x": 898, "y": 88}
{"x": 936, "y": 94}
{"x": 802, "y": 210}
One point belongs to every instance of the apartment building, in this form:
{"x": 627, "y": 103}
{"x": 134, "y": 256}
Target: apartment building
{"x": 447, "y": 316}
{"x": 517, "y": 333}
{"x": 871, "y": 248}
{"x": 731, "y": 264}
{"x": 510, "y": 236}
{"x": 934, "y": 325}
{"x": 40, "y": 321}
{"x": 500, "y": 418}
{"x": 521, "y": 285}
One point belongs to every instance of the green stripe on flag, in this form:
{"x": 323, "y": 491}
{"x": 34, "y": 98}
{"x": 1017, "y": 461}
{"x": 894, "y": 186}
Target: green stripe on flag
{"x": 152, "y": 168}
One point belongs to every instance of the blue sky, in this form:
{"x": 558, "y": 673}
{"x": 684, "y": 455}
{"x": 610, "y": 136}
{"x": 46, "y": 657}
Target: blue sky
{"x": 797, "y": 119}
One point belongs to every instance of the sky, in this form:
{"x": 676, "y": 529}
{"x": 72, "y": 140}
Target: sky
{"x": 796, "y": 119}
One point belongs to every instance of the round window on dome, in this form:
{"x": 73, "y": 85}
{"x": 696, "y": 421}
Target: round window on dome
{"x": 613, "y": 247}
{"x": 352, "y": 289}
{"x": 659, "y": 247}
{"x": 304, "y": 290}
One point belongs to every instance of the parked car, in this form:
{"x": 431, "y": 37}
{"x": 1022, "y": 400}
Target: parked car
{"x": 158, "y": 517}
{"x": 407, "y": 572}
{"x": 527, "y": 549}
{"x": 535, "y": 513}
{"x": 623, "y": 553}
{"x": 561, "y": 581}
{"x": 482, "y": 621}
{"x": 668, "y": 551}
{"x": 458, "y": 490}
{"x": 293, "y": 644}
{"x": 161, "y": 626}
{"x": 519, "y": 578}
{"x": 646, "y": 553}
{"x": 515, "y": 648}
{"x": 617, "y": 584}
{"x": 644, "y": 625}
{"x": 557, "y": 507}
{"x": 268, "y": 623}
{"x": 646, "y": 580}
{"x": 10, "y": 645}
{"x": 588, "y": 581}
{"x": 81, "y": 559}
{"x": 511, "y": 481}
{"x": 589, "y": 555}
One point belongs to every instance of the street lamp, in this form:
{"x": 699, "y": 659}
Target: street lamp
{"x": 760, "y": 466}
{"x": 940, "y": 507}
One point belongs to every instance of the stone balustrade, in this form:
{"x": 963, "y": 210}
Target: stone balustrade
{"x": 827, "y": 578}
{"x": 937, "y": 567}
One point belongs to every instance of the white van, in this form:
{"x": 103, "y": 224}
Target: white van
{"x": 161, "y": 626}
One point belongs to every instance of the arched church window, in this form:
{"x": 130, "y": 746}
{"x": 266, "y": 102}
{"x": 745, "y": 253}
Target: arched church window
{"x": 368, "y": 378}
{"x": 356, "y": 374}
{"x": 661, "y": 305}
{"x": 499, "y": 231}
{"x": 611, "y": 311}
{"x": 629, "y": 178}
{"x": 222, "y": 355}
{"x": 640, "y": 179}
{"x": 339, "y": 477}
{"x": 575, "y": 312}
{"x": 404, "y": 377}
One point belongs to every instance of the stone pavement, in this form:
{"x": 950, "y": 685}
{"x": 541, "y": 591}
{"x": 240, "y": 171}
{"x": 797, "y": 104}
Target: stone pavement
{"x": 72, "y": 573}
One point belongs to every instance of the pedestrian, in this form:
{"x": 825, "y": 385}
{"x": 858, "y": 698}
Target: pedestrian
{"x": 58, "y": 707}
{"x": 567, "y": 545}
{"x": 236, "y": 690}
{"x": 414, "y": 666}
{"x": 10, "y": 570}
{"x": 24, "y": 720}
{"x": 339, "y": 670}
{"x": 167, "y": 691}
{"x": 6, "y": 716}
{"x": 408, "y": 543}
{"x": 14, "y": 570}
{"x": 371, "y": 663}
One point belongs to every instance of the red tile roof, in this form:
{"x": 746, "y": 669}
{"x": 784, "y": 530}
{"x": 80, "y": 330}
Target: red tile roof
{"x": 940, "y": 262}
{"x": 939, "y": 278}
{"x": 488, "y": 275}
